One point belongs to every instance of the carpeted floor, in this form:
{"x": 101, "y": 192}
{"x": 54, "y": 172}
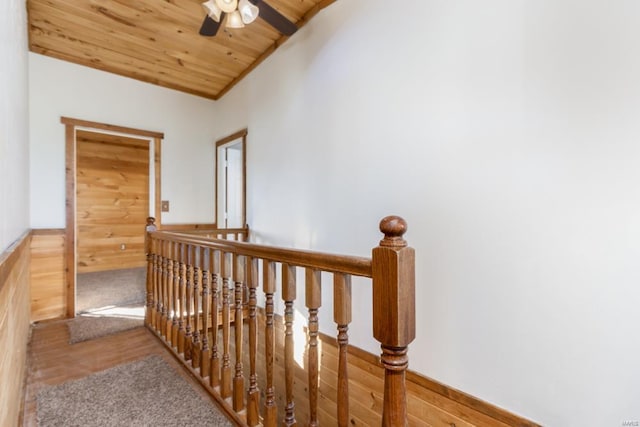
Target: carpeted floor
{"x": 144, "y": 393}
{"x": 109, "y": 288}
{"x": 108, "y": 302}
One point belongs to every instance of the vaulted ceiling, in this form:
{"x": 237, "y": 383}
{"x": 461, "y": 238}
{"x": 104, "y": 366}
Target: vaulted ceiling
{"x": 157, "y": 41}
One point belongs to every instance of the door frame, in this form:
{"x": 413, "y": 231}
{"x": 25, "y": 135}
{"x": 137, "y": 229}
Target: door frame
{"x": 71, "y": 125}
{"x": 241, "y": 134}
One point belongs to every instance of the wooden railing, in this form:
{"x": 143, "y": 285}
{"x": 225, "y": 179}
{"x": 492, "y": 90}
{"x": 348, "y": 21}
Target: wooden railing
{"x": 206, "y": 230}
{"x": 199, "y": 288}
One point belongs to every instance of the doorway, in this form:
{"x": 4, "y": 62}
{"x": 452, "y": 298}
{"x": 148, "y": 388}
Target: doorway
{"x": 231, "y": 210}
{"x": 112, "y": 185}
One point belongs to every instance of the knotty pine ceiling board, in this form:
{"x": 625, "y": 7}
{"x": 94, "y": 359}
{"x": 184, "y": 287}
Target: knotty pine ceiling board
{"x": 157, "y": 41}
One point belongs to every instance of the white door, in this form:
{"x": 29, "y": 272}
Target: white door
{"x": 230, "y": 187}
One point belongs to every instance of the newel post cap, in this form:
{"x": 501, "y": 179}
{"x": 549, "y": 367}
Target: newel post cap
{"x": 393, "y": 227}
{"x": 151, "y": 224}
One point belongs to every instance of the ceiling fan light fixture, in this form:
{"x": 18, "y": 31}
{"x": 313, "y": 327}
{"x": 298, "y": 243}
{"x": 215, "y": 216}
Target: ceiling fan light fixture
{"x": 227, "y": 6}
{"x": 212, "y": 9}
{"x": 234, "y": 20}
{"x": 238, "y": 13}
{"x": 248, "y": 12}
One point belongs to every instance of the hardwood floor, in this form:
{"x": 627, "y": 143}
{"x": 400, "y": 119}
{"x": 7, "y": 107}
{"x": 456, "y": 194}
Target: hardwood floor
{"x": 52, "y": 360}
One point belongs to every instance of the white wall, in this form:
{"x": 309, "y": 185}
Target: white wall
{"x": 14, "y": 124}
{"x": 59, "y": 88}
{"x": 507, "y": 134}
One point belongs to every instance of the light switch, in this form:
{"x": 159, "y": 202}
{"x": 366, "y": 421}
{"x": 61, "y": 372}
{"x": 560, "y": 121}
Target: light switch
{"x": 164, "y": 206}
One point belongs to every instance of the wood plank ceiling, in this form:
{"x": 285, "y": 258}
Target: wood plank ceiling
{"x": 157, "y": 41}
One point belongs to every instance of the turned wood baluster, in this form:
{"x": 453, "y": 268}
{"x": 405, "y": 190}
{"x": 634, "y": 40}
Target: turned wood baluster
{"x": 165, "y": 287}
{"x": 170, "y": 300}
{"x": 342, "y": 317}
{"x": 150, "y": 227}
{"x": 288, "y": 296}
{"x": 149, "y": 315}
{"x": 206, "y": 353}
{"x": 253, "y": 395}
{"x": 195, "y": 348}
{"x": 188, "y": 331}
{"x": 177, "y": 305}
{"x": 225, "y": 390}
{"x": 156, "y": 284}
{"x": 393, "y": 274}
{"x": 154, "y": 292}
{"x": 269, "y": 287}
{"x": 313, "y": 296}
{"x": 215, "y": 309}
{"x": 160, "y": 302}
{"x": 183, "y": 282}
{"x": 238, "y": 380}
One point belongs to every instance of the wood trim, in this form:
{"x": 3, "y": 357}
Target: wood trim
{"x": 11, "y": 255}
{"x": 450, "y": 393}
{"x": 70, "y": 185}
{"x": 187, "y": 227}
{"x": 70, "y": 223}
{"x": 48, "y": 297}
{"x": 111, "y": 128}
{"x": 236, "y": 135}
{"x": 347, "y": 264}
{"x": 47, "y": 231}
{"x": 157, "y": 156}
{"x": 276, "y": 44}
{"x": 244, "y": 179}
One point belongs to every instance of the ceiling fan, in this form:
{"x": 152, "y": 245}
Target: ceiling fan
{"x": 240, "y": 13}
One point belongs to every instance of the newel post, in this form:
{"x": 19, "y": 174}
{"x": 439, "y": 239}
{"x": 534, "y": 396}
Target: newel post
{"x": 394, "y": 314}
{"x": 150, "y": 227}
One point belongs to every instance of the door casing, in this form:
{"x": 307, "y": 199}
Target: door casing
{"x": 71, "y": 125}
{"x": 241, "y": 136}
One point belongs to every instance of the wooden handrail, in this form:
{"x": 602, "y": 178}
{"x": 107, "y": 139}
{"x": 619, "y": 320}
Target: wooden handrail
{"x": 212, "y": 231}
{"x": 202, "y": 302}
{"x": 357, "y": 266}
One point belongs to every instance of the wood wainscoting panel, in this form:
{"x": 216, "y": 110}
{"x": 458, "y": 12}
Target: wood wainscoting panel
{"x": 429, "y": 403}
{"x": 14, "y": 328}
{"x": 48, "y": 284}
{"x": 112, "y": 199}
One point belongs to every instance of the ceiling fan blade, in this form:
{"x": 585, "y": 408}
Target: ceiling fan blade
{"x": 210, "y": 27}
{"x": 275, "y": 18}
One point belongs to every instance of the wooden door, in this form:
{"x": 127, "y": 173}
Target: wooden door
{"x": 112, "y": 200}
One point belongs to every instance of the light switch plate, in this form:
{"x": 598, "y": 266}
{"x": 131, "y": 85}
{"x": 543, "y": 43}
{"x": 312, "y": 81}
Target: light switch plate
{"x": 164, "y": 206}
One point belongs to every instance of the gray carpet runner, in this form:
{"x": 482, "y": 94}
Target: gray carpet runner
{"x": 148, "y": 392}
